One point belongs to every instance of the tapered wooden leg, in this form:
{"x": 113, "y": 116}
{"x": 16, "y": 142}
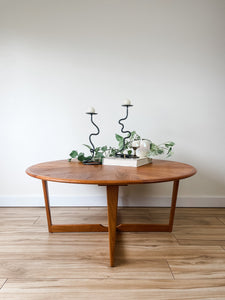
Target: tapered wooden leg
{"x": 173, "y": 204}
{"x": 112, "y": 201}
{"x": 48, "y": 212}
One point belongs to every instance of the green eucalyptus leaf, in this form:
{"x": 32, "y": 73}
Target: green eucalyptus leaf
{"x": 121, "y": 145}
{"x": 133, "y": 133}
{"x": 88, "y": 146}
{"x": 160, "y": 151}
{"x": 81, "y": 156}
{"x": 112, "y": 151}
{"x": 97, "y": 149}
{"x": 87, "y": 158}
{"x": 152, "y": 146}
{"x": 74, "y": 154}
{"x": 118, "y": 137}
{"x": 169, "y": 150}
{"x": 169, "y": 144}
{"x": 127, "y": 145}
{"x": 104, "y": 148}
{"x": 99, "y": 155}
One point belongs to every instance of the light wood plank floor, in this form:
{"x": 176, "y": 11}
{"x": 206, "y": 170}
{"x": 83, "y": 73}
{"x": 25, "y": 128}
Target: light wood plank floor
{"x": 188, "y": 263}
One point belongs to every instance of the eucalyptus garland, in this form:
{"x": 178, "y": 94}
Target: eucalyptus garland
{"x": 108, "y": 151}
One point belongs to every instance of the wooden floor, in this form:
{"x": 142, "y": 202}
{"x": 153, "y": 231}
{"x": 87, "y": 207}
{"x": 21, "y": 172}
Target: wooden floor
{"x": 188, "y": 263}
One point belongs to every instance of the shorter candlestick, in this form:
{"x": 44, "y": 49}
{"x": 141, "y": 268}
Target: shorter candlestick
{"x": 91, "y": 160}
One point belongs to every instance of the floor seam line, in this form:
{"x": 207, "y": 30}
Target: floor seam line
{"x": 170, "y": 269}
{"x": 221, "y": 222}
{"x": 36, "y": 220}
{"x": 3, "y": 283}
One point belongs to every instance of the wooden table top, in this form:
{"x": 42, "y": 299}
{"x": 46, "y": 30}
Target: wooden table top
{"x": 76, "y": 172}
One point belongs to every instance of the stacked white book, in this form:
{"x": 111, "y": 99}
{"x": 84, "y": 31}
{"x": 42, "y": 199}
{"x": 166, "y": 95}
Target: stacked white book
{"x": 126, "y": 162}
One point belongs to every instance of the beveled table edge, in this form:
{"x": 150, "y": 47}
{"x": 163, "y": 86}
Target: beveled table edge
{"x": 110, "y": 182}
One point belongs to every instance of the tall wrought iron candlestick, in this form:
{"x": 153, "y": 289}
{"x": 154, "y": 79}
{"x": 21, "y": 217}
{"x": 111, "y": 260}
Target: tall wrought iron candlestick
{"x": 90, "y": 161}
{"x": 120, "y": 153}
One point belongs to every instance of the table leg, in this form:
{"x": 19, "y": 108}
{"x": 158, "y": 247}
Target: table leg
{"x": 67, "y": 227}
{"x": 155, "y": 227}
{"x": 173, "y": 204}
{"x": 112, "y": 201}
{"x": 48, "y": 212}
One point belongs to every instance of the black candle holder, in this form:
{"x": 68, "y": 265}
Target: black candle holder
{"x": 90, "y": 161}
{"x": 120, "y": 152}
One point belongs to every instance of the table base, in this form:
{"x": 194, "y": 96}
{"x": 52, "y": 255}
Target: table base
{"x": 102, "y": 228}
{"x": 112, "y": 228}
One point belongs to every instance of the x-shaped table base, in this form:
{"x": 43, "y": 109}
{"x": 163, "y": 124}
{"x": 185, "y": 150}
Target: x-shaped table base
{"x": 112, "y": 204}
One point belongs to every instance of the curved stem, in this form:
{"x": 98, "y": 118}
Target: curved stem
{"x": 124, "y": 131}
{"x": 98, "y": 130}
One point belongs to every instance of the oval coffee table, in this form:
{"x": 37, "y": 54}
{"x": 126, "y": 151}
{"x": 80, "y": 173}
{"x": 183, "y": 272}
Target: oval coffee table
{"x": 112, "y": 177}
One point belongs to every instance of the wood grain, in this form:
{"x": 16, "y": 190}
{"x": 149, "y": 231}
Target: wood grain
{"x": 47, "y": 205}
{"x": 84, "y": 252}
{"x": 126, "y": 215}
{"x": 75, "y": 239}
{"x": 79, "y": 228}
{"x": 198, "y": 267}
{"x": 37, "y": 265}
{"x": 63, "y": 285}
{"x": 112, "y": 201}
{"x": 207, "y": 232}
{"x": 113, "y": 289}
{"x": 73, "y": 268}
{"x": 17, "y": 221}
{"x": 76, "y": 172}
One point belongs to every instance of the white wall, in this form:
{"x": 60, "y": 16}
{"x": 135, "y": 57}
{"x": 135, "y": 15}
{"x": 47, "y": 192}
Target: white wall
{"x": 59, "y": 57}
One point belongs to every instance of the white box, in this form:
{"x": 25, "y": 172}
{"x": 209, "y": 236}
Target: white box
{"x": 126, "y": 162}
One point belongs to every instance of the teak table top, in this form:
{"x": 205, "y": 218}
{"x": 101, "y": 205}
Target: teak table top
{"x": 76, "y": 172}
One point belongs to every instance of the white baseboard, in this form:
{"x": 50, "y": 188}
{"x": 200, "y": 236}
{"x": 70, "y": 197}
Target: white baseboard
{"x": 37, "y": 201}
